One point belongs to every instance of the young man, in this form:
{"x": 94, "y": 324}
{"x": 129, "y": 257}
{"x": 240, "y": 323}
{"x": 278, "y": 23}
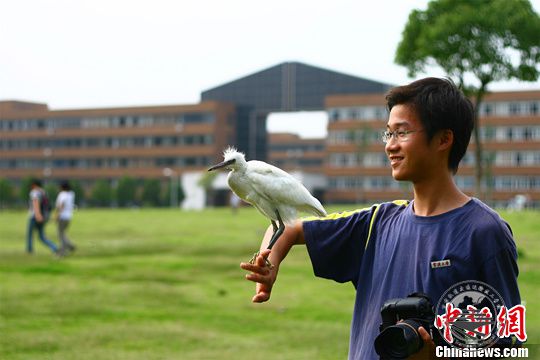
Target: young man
{"x": 37, "y": 217}
{"x": 65, "y": 203}
{"x": 387, "y": 251}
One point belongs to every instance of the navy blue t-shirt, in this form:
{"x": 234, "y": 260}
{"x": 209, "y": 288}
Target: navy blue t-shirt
{"x": 396, "y": 260}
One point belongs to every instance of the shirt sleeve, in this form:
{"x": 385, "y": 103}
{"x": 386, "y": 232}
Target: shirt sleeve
{"x": 499, "y": 266}
{"x": 500, "y": 270}
{"x": 35, "y": 194}
{"x": 336, "y": 243}
{"x": 60, "y": 199}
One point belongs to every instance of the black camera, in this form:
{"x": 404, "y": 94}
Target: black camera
{"x": 399, "y": 340}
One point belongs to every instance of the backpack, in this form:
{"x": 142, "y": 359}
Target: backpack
{"x": 45, "y": 206}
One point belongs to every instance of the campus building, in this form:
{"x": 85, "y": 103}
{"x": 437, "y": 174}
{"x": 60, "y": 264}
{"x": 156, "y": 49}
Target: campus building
{"x": 183, "y": 140}
{"x": 291, "y": 152}
{"x": 358, "y": 170}
{"x": 93, "y": 144}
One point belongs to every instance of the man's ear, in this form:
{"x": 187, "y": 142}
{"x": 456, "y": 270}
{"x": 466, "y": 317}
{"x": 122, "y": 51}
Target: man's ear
{"x": 446, "y": 139}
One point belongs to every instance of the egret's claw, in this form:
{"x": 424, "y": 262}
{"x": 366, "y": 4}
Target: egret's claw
{"x": 252, "y": 261}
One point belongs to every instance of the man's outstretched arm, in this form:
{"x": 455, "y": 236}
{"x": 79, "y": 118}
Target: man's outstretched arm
{"x": 261, "y": 273}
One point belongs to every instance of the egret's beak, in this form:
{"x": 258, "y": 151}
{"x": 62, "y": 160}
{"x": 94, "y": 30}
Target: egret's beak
{"x": 221, "y": 164}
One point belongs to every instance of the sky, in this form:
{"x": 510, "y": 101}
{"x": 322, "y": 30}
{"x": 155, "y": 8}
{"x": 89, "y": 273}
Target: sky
{"x": 114, "y": 53}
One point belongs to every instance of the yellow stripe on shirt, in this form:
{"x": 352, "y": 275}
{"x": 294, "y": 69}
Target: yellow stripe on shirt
{"x": 335, "y": 216}
{"x": 345, "y": 214}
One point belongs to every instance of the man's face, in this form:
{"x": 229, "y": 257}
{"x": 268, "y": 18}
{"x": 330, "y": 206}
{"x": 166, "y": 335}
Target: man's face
{"x": 411, "y": 157}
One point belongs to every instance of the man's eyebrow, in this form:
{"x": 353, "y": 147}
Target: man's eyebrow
{"x": 398, "y": 124}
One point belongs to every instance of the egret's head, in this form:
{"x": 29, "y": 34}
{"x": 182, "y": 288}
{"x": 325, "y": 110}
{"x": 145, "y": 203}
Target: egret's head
{"x": 232, "y": 160}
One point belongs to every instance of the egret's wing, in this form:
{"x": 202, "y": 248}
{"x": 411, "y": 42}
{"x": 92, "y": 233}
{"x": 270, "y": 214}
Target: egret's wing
{"x": 278, "y": 186}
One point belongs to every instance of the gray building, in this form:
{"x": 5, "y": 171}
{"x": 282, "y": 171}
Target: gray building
{"x": 290, "y": 86}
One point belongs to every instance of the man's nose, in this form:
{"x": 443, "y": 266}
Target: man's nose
{"x": 391, "y": 144}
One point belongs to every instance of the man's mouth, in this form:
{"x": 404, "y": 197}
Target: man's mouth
{"x": 394, "y": 159}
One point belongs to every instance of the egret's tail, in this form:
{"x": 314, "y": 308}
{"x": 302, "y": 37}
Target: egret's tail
{"x": 316, "y": 208}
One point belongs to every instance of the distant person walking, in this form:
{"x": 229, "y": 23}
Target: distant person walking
{"x": 65, "y": 203}
{"x": 39, "y": 211}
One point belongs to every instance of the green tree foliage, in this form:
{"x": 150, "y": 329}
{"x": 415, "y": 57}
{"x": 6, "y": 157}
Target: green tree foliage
{"x": 476, "y": 43}
{"x": 206, "y": 182}
{"x": 7, "y": 193}
{"x": 24, "y": 190}
{"x": 79, "y": 192}
{"x": 52, "y": 191}
{"x": 151, "y": 192}
{"x": 101, "y": 194}
{"x": 166, "y": 199}
{"x": 126, "y": 191}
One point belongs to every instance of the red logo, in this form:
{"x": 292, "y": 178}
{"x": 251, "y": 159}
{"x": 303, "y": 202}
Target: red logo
{"x": 465, "y": 316}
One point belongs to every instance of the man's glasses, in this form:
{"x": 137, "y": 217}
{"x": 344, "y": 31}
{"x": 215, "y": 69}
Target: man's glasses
{"x": 399, "y": 135}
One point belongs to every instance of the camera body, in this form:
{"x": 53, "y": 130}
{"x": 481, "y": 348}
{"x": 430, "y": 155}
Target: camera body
{"x": 400, "y": 339}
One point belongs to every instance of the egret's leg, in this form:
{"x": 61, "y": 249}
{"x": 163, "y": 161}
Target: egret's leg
{"x": 275, "y": 228}
{"x": 277, "y": 233}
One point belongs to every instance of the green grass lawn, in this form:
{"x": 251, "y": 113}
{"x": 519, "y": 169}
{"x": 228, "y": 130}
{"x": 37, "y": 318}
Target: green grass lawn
{"x": 166, "y": 284}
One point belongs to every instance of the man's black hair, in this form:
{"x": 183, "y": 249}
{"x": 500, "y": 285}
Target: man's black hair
{"x": 64, "y": 185}
{"x": 36, "y": 182}
{"x": 440, "y": 105}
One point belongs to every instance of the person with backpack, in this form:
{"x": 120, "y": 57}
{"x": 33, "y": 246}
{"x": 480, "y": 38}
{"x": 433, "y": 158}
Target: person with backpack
{"x": 65, "y": 203}
{"x": 39, "y": 211}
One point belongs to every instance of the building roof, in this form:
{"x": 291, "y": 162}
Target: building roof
{"x": 291, "y": 86}
{"x": 283, "y": 137}
{"x": 23, "y": 110}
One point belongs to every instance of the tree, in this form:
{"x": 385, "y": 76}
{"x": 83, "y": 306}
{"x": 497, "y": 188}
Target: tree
{"x": 166, "y": 198}
{"x": 79, "y": 192}
{"x": 7, "y": 195}
{"x": 151, "y": 192}
{"x": 24, "y": 190}
{"x": 52, "y": 192}
{"x": 207, "y": 182}
{"x": 102, "y": 194}
{"x": 475, "y": 43}
{"x": 125, "y": 191}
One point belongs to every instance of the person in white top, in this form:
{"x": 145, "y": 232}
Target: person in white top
{"x": 65, "y": 203}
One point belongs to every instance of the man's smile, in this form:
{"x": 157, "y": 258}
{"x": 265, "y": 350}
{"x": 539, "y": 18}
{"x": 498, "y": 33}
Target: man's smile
{"x": 395, "y": 159}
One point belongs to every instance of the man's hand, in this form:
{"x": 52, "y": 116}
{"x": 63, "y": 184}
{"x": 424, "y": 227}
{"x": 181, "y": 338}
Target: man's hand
{"x": 428, "y": 350}
{"x": 39, "y": 218}
{"x": 261, "y": 274}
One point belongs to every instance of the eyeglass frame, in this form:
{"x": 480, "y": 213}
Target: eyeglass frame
{"x": 396, "y": 134}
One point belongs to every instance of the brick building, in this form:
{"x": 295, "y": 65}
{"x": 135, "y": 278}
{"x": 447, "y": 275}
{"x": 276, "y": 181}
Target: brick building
{"x": 349, "y": 165}
{"x": 358, "y": 170}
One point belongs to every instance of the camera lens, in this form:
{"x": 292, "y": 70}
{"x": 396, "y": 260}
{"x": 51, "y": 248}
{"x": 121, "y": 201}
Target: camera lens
{"x": 399, "y": 341}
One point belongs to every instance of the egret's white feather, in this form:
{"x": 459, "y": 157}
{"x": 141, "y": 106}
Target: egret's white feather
{"x": 269, "y": 188}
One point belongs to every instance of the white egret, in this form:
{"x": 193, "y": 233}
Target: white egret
{"x": 272, "y": 191}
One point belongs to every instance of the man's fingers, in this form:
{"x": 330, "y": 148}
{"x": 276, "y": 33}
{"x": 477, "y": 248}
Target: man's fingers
{"x": 255, "y": 268}
{"x": 261, "y": 297}
{"x": 260, "y": 273}
{"x": 261, "y": 259}
{"x": 265, "y": 253}
{"x": 258, "y": 278}
{"x": 424, "y": 334}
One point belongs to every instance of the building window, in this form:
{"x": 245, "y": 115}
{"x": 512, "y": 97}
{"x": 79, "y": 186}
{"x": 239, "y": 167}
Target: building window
{"x": 333, "y": 115}
{"x": 533, "y": 107}
{"x": 488, "y": 109}
{"x": 509, "y": 133}
{"x": 380, "y": 113}
{"x": 514, "y": 108}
